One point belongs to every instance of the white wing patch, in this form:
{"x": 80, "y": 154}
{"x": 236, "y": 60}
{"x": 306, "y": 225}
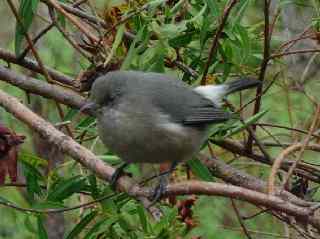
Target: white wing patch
{"x": 214, "y": 93}
{"x": 165, "y": 123}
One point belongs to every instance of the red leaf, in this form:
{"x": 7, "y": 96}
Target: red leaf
{"x": 9, "y": 142}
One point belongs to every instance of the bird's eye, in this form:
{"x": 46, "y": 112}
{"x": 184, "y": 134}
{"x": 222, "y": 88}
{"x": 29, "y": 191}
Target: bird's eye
{"x": 108, "y": 100}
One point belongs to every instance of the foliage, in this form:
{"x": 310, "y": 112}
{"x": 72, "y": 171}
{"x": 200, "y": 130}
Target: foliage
{"x": 166, "y": 33}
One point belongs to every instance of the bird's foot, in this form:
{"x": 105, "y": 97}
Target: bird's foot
{"x": 159, "y": 189}
{"x": 117, "y": 174}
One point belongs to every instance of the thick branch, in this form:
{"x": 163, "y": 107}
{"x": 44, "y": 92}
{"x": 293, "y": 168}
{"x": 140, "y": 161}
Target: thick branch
{"x": 257, "y": 198}
{"x": 239, "y": 178}
{"x": 42, "y": 88}
{"x": 239, "y": 149}
{"x": 33, "y": 66}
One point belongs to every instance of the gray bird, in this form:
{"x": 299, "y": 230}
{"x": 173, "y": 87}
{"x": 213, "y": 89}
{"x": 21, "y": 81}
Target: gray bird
{"x": 155, "y": 118}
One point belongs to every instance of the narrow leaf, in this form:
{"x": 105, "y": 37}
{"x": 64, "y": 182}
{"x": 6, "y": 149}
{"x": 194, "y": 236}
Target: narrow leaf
{"x": 200, "y": 170}
{"x": 81, "y": 225}
{"x": 248, "y": 122}
{"x": 65, "y": 188}
{"x": 42, "y": 233}
{"x": 27, "y": 10}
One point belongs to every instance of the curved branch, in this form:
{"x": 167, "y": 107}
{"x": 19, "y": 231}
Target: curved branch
{"x": 230, "y": 191}
{"x": 239, "y": 178}
{"x": 237, "y": 148}
{"x": 277, "y": 163}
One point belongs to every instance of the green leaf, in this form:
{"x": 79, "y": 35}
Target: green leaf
{"x": 33, "y": 176}
{"x": 242, "y": 6}
{"x": 116, "y": 43}
{"x": 81, "y": 225}
{"x": 248, "y": 122}
{"x": 29, "y": 225}
{"x": 123, "y": 223}
{"x": 200, "y": 170}
{"x": 199, "y": 14}
{"x": 214, "y": 7}
{"x": 2, "y": 199}
{"x": 155, "y": 3}
{"x": 244, "y": 41}
{"x": 32, "y": 159}
{"x": 171, "y": 30}
{"x": 133, "y": 50}
{"x": 181, "y": 40}
{"x": 27, "y": 10}
{"x": 93, "y": 186}
{"x": 65, "y": 188}
{"x": 110, "y": 159}
{"x": 42, "y": 233}
{"x": 61, "y": 18}
{"x": 143, "y": 218}
{"x": 70, "y": 114}
{"x": 86, "y": 122}
{"x": 153, "y": 58}
{"x": 106, "y": 222}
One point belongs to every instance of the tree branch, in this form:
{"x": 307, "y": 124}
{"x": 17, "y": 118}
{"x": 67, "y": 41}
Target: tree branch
{"x": 239, "y": 178}
{"x": 264, "y": 65}
{"x": 230, "y": 191}
{"x": 238, "y": 148}
{"x": 33, "y": 66}
{"x": 42, "y": 88}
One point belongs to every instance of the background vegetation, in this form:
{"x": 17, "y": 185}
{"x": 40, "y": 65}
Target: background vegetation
{"x": 199, "y": 42}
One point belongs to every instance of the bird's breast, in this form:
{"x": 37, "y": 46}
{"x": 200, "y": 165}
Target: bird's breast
{"x": 147, "y": 135}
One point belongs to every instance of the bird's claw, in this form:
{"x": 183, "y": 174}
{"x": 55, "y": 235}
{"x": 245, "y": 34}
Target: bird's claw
{"x": 159, "y": 190}
{"x": 117, "y": 174}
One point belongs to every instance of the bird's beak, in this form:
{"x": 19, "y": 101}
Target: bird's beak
{"x": 88, "y": 107}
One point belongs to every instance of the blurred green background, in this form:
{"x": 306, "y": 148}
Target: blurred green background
{"x": 240, "y": 53}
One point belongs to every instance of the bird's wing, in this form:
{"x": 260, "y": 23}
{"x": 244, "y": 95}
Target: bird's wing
{"x": 206, "y": 115}
{"x": 180, "y": 102}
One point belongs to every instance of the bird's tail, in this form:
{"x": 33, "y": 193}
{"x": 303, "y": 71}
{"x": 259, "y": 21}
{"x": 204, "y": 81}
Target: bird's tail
{"x": 241, "y": 84}
{"x": 216, "y": 93}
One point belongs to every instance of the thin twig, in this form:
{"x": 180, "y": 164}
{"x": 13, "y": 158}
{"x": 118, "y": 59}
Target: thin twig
{"x": 264, "y": 65}
{"x": 65, "y": 35}
{"x": 278, "y": 55}
{"x": 37, "y": 38}
{"x": 278, "y": 161}
{"x": 287, "y": 128}
{"x": 36, "y": 55}
{"x": 56, "y": 210}
{"x": 243, "y": 226}
{"x": 305, "y": 144}
{"x": 73, "y": 20}
{"x": 130, "y": 15}
{"x": 215, "y": 42}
